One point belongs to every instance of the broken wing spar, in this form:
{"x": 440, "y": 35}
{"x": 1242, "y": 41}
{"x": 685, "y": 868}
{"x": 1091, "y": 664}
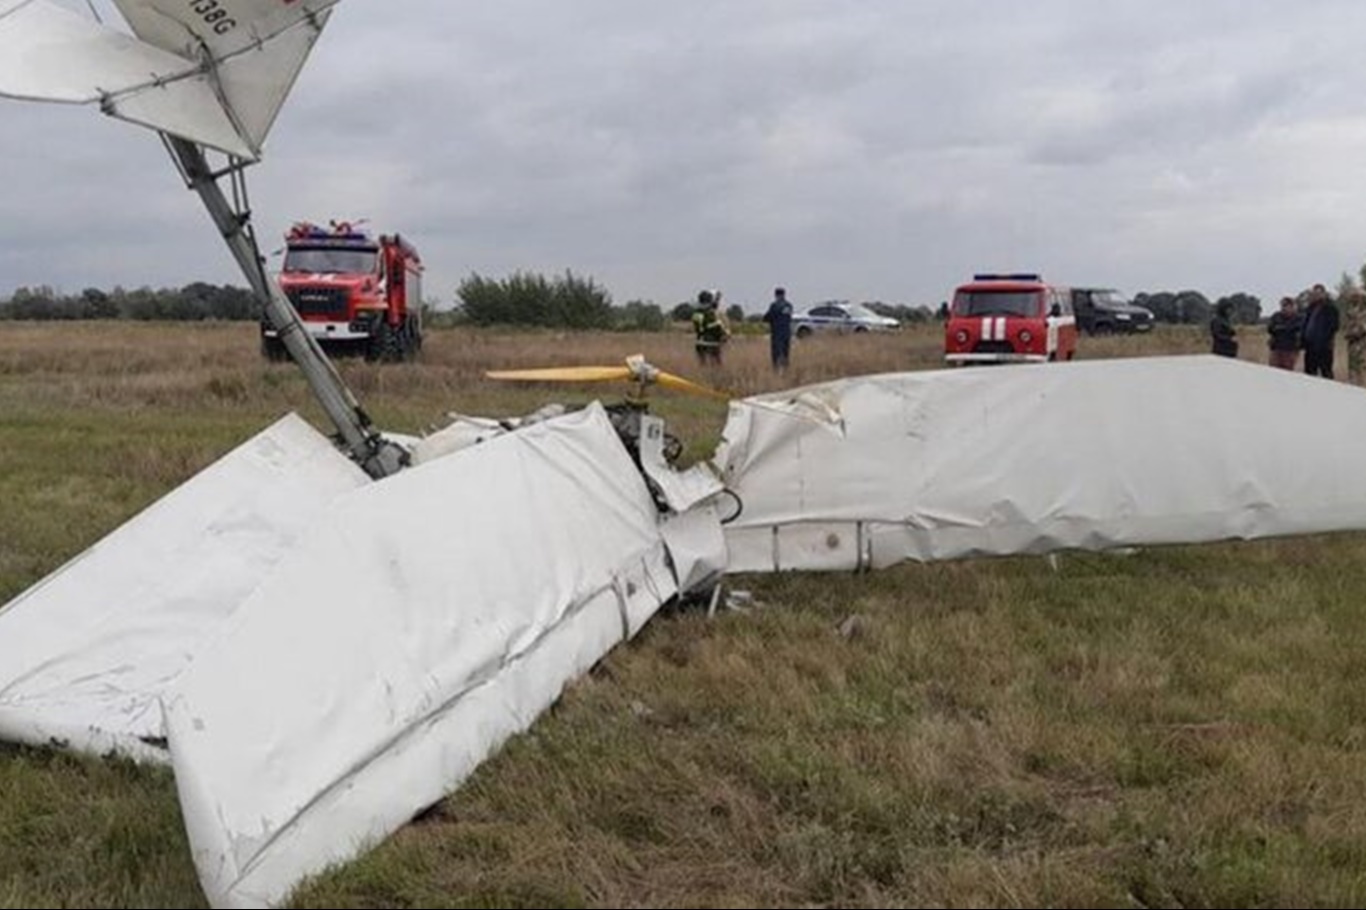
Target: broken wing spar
{"x": 214, "y": 73}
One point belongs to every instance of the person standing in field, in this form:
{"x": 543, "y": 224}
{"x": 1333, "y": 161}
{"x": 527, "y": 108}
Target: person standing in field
{"x": 1284, "y": 328}
{"x": 1223, "y": 337}
{"x": 709, "y": 328}
{"x": 779, "y": 319}
{"x": 1320, "y": 333}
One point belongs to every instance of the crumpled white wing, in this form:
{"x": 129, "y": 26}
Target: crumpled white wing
{"x": 432, "y": 615}
{"x": 86, "y": 654}
{"x": 258, "y": 47}
{"x": 867, "y": 472}
{"x": 179, "y": 75}
{"x": 48, "y": 53}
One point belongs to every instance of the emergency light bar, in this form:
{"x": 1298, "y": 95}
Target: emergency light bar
{"x": 1012, "y": 276}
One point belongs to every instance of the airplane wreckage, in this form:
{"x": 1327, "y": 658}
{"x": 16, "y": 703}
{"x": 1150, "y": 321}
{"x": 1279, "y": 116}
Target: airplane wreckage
{"x": 395, "y": 656}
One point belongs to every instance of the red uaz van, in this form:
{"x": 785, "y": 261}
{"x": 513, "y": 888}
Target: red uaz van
{"x": 1017, "y": 318}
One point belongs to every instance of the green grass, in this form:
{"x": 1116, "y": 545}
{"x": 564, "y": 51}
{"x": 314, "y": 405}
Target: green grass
{"x": 1176, "y": 727}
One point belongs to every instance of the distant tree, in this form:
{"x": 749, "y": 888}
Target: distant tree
{"x": 1247, "y": 309}
{"x": 207, "y": 301}
{"x": 1346, "y": 285}
{"x": 1189, "y": 307}
{"x": 580, "y": 303}
{"x": 735, "y": 313}
{"x": 140, "y": 304}
{"x": 639, "y": 316}
{"x": 98, "y": 305}
{"x": 683, "y": 312}
{"x": 33, "y": 303}
{"x": 1195, "y": 307}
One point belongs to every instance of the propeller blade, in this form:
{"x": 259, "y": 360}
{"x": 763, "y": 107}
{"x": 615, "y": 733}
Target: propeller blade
{"x": 679, "y": 384}
{"x": 564, "y": 374}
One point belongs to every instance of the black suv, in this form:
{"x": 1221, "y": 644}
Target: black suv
{"x": 1101, "y": 310}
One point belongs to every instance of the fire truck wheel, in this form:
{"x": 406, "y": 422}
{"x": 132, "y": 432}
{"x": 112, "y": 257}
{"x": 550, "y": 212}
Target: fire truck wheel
{"x": 417, "y": 334}
{"x": 386, "y": 345}
{"x": 412, "y": 337}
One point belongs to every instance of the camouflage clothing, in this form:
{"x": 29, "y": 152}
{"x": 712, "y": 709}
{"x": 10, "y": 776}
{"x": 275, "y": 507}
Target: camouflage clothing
{"x": 1354, "y": 330}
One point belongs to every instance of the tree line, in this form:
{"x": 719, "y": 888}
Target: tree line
{"x": 194, "y": 302}
{"x": 1194, "y": 308}
{"x": 521, "y": 299}
{"x": 566, "y": 301}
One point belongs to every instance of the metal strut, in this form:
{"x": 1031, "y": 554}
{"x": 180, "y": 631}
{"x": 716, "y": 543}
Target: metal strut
{"x": 378, "y": 456}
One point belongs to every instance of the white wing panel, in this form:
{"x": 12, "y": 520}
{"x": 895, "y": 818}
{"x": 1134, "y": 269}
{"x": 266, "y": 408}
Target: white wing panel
{"x": 212, "y": 71}
{"x": 86, "y": 654}
{"x": 258, "y": 47}
{"x": 48, "y": 53}
{"x": 870, "y": 471}
{"x": 434, "y": 614}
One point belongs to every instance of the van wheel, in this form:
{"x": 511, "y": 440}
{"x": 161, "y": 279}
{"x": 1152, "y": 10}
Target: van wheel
{"x": 803, "y": 331}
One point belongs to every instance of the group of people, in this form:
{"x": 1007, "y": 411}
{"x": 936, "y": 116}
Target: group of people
{"x": 711, "y": 330}
{"x": 1312, "y": 328}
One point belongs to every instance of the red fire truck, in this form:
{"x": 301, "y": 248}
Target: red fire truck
{"x": 1014, "y": 318}
{"x": 352, "y": 291}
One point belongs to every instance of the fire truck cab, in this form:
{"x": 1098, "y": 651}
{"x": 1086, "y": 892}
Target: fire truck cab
{"x": 352, "y": 290}
{"x": 1014, "y": 318}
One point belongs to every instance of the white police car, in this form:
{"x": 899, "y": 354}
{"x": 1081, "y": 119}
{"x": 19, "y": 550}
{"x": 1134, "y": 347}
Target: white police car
{"x": 841, "y": 317}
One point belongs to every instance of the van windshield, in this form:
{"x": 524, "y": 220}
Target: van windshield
{"x": 1110, "y": 298}
{"x": 996, "y": 303}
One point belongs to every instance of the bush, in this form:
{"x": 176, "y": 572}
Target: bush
{"x": 528, "y": 299}
{"x": 639, "y": 316}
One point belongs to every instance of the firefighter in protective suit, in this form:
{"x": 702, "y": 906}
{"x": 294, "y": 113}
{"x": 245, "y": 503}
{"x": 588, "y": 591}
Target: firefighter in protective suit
{"x": 710, "y": 328}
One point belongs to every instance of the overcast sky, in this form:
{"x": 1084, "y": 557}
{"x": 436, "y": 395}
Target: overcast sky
{"x": 875, "y": 150}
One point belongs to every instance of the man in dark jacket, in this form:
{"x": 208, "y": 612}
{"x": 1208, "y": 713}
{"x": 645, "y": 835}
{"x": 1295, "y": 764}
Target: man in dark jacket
{"x": 1320, "y": 333}
{"x": 1223, "y": 336}
{"x": 779, "y": 319}
{"x": 1284, "y": 328}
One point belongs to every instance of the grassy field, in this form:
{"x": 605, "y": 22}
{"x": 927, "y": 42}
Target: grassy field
{"x": 1174, "y": 727}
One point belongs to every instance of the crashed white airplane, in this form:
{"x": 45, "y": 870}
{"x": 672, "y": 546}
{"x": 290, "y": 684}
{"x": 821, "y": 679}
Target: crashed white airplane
{"x": 394, "y": 658}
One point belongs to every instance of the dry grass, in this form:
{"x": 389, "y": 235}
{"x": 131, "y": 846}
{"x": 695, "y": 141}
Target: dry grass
{"x": 1180, "y": 727}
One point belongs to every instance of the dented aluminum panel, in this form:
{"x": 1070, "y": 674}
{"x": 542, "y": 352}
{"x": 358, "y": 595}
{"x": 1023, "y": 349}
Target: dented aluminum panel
{"x": 869, "y": 471}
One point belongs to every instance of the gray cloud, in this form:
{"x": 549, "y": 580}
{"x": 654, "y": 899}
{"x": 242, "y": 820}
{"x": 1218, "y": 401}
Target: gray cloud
{"x": 879, "y": 150}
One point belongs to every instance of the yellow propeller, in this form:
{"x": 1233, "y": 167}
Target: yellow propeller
{"x": 564, "y": 374}
{"x": 636, "y": 370}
